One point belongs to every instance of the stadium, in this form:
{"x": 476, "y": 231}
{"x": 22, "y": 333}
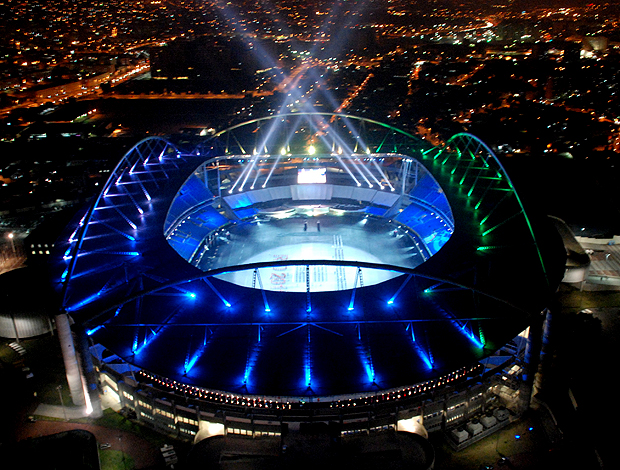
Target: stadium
{"x": 305, "y": 268}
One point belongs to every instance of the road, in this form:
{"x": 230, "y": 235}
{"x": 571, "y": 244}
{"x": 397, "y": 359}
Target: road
{"x": 79, "y": 89}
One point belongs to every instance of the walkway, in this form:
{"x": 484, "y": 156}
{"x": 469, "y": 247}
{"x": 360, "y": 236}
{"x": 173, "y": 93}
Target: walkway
{"x": 604, "y": 259}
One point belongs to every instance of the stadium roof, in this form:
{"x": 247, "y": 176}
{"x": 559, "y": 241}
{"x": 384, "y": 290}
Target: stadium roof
{"x": 123, "y": 279}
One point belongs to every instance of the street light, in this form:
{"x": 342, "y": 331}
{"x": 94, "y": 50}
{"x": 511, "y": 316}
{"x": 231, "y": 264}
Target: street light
{"x": 11, "y": 235}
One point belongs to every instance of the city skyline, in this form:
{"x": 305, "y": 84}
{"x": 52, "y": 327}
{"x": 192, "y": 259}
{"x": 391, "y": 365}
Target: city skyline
{"x": 418, "y": 71}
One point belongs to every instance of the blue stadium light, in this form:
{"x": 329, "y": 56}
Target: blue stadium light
{"x": 472, "y": 337}
{"x": 87, "y": 300}
{"x": 94, "y": 330}
{"x": 370, "y": 372}
{"x": 390, "y": 302}
{"x": 251, "y": 361}
{"x": 365, "y": 357}
{"x": 191, "y": 295}
{"x": 137, "y": 351}
{"x": 308, "y": 362}
{"x": 189, "y": 364}
{"x": 410, "y": 327}
{"x": 426, "y": 360}
{"x": 224, "y": 301}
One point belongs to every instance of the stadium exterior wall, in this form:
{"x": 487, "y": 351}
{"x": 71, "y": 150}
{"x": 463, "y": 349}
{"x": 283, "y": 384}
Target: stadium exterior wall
{"x": 192, "y": 419}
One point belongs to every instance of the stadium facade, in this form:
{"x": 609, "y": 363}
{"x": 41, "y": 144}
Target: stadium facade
{"x": 306, "y": 268}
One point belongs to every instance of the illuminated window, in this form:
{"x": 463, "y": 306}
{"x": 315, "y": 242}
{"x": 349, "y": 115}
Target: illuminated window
{"x": 144, "y": 405}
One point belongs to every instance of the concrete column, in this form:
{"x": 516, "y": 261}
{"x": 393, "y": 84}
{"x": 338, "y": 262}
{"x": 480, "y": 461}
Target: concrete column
{"x": 89, "y": 374}
{"x": 531, "y": 363}
{"x": 528, "y": 354}
{"x": 545, "y": 351}
{"x": 72, "y": 368}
